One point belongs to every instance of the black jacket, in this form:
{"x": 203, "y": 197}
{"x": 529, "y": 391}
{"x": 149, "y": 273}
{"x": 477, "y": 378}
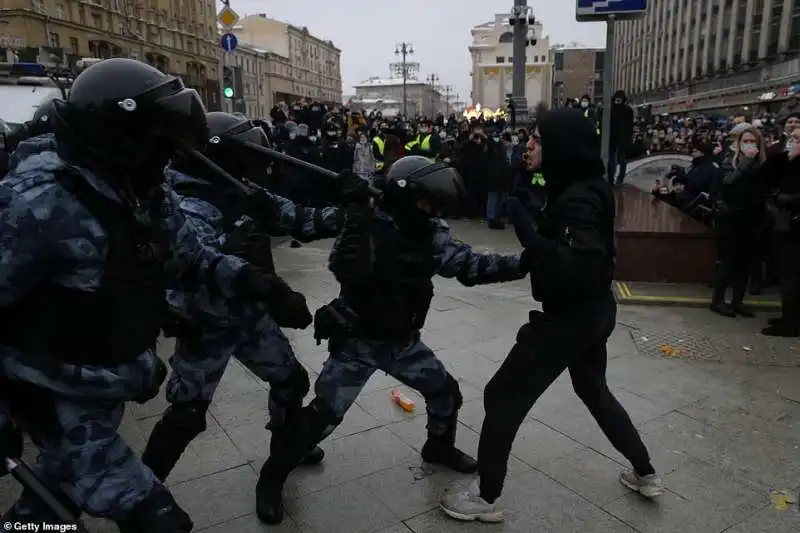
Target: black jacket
{"x": 621, "y": 122}
{"x": 571, "y": 253}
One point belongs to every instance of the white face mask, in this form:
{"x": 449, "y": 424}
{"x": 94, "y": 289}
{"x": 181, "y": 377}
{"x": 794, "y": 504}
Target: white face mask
{"x": 292, "y": 135}
{"x": 584, "y": 104}
{"x": 442, "y": 134}
{"x": 312, "y": 138}
{"x": 791, "y": 146}
{"x": 514, "y": 140}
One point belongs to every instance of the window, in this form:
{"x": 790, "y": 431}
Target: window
{"x": 500, "y": 59}
{"x": 507, "y": 37}
{"x": 97, "y": 22}
{"x": 599, "y": 61}
{"x": 559, "y": 60}
{"x": 74, "y": 46}
{"x": 54, "y": 40}
{"x": 60, "y": 11}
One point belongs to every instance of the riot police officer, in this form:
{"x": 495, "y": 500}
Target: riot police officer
{"x": 213, "y": 330}
{"x": 92, "y": 238}
{"x": 385, "y": 261}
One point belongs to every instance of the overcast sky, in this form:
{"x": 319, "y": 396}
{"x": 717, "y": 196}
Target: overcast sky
{"x": 367, "y": 30}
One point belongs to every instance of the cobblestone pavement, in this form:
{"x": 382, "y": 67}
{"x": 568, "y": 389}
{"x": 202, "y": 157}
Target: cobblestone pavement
{"x": 717, "y": 406}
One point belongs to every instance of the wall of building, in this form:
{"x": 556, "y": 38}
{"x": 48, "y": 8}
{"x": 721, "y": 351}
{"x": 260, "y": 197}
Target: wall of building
{"x": 577, "y": 71}
{"x": 315, "y": 63}
{"x": 422, "y": 98}
{"x": 492, "y": 57}
{"x": 176, "y": 36}
{"x": 681, "y": 51}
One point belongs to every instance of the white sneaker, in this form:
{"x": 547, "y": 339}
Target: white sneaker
{"x": 467, "y": 504}
{"x": 648, "y": 486}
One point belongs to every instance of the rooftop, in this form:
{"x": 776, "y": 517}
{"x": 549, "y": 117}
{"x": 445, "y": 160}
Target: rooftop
{"x": 387, "y": 82}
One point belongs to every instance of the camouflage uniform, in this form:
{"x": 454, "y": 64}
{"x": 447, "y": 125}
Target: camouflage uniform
{"x": 49, "y": 237}
{"x": 232, "y": 328}
{"x": 353, "y": 360}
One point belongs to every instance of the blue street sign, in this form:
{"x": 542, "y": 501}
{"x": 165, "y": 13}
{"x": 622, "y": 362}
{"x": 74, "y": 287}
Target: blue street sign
{"x": 600, "y": 9}
{"x": 228, "y": 42}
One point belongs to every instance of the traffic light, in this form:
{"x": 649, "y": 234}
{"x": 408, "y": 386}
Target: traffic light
{"x": 228, "y": 85}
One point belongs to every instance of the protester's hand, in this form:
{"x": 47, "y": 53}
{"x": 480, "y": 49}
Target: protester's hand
{"x": 354, "y": 189}
{"x": 10, "y": 443}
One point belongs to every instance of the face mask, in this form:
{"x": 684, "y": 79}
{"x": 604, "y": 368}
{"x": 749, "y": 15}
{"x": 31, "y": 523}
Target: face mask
{"x": 791, "y": 146}
{"x": 746, "y": 146}
{"x": 496, "y": 139}
{"x": 514, "y": 140}
{"x": 617, "y": 102}
{"x": 584, "y": 104}
{"x": 332, "y": 134}
{"x": 363, "y": 140}
{"x": 443, "y": 134}
{"x": 292, "y": 135}
{"x": 312, "y": 138}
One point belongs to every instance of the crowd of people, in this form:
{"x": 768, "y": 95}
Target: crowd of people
{"x": 755, "y": 247}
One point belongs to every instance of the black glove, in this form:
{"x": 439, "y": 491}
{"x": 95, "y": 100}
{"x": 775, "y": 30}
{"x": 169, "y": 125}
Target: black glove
{"x": 287, "y": 307}
{"x": 10, "y": 443}
{"x": 291, "y": 311}
{"x": 353, "y": 189}
{"x": 159, "y": 376}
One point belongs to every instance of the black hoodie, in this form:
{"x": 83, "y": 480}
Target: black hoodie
{"x": 571, "y": 253}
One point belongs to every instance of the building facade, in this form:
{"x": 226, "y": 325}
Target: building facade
{"x": 692, "y": 55}
{"x": 576, "y": 72}
{"x": 315, "y": 63}
{"x": 265, "y": 77}
{"x": 176, "y": 36}
{"x": 422, "y": 98}
{"x": 492, "y": 56}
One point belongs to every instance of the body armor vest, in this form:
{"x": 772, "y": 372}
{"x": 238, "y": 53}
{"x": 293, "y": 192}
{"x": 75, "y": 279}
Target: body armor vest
{"x": 123, "y": 317}
{"x": 244, "y": 239}
{"x": 397, "y": 299}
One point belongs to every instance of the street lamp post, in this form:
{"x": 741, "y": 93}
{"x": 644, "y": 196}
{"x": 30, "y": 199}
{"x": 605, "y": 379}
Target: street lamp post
{"x": 433, "y": 79}
{"x": 447, "y": 90}
{"x": 404, "y": 49}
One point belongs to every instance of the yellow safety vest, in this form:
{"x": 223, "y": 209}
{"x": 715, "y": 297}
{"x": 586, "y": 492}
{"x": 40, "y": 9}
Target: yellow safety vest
{"x": 412, "y": 143}
{"x": 424, "y": 143}
{"x": 381, "y": 146}
{"x": 537, "y": 179}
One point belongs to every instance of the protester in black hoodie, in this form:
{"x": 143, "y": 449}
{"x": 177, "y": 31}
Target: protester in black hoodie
{"x": 621, "y": 137}
{"x": 569, "y": 250}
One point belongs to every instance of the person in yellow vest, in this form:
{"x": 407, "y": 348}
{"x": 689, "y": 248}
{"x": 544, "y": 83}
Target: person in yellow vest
{"x": 427, "y": 142}
{"x": 379, "y": 146}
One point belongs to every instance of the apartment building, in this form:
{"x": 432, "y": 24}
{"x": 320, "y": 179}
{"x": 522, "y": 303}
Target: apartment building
{"x": 265, "y": 78}
{"x": 177, "y": 36}
{"x": 315, "y": 63}
{"x": 577, "y": 71}
{"x": 688, "y": 55}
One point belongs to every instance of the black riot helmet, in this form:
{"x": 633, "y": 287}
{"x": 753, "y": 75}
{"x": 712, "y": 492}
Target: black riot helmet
{"x": 417, "y": 186}
{"x": 126, "y": 116}
{"x": 227, "y": 134}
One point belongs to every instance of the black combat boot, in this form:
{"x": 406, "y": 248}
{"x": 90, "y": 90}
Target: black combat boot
{"x": 738, "y": 304}
{"x": 441, "y": 449}
{"x": 180, "y": 425}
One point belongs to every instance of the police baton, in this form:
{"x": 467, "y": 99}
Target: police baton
{"x": 28, "y": 479}
{"x": 280, "y": 156}
{"x": 237, "y": 184}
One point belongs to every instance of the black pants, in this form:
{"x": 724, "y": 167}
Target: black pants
{"x": 789, "y": 257}
{"x": 546, "y": 346}
{"x": 738, "y": 250}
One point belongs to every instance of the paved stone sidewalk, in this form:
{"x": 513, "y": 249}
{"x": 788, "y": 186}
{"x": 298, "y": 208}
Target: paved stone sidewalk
{"x": 717, "y": 405}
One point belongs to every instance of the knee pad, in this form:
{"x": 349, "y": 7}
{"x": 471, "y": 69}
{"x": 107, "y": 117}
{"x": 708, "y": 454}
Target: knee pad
{"x": 158, "y": 513}
{"x": 187, "y": 419}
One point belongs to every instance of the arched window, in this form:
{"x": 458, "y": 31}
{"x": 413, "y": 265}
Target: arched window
{"x": 507, "y": 37}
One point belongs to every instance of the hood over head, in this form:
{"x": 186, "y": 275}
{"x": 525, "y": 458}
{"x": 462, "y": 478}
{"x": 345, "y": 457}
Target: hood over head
{"x": 621, "y": 95}
{"x": 570, "y": 148}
